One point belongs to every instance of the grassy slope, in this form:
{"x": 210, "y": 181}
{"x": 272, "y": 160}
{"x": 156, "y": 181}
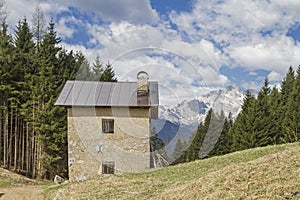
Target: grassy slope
{"x": 264, "y": 173}
{"x": 10, "y": 179}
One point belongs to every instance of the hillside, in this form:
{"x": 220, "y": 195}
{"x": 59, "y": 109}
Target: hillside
{"x": 15, "y": 186}
{"x": 271, "y": 172}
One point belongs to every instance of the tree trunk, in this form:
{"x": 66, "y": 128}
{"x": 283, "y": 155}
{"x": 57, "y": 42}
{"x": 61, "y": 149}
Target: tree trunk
{"x": 27, "y": 150}
{"x": 33, "y": 155}
{"x": 22, "y": 149}
{"x": 11, "y": 134}
{"x": 19, "y": 145}
{"x": 16, "y": 142}
{"x": 5, "y": 140}
{"x": 1, "y": 134}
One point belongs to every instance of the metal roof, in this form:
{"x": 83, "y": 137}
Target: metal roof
{"x": 92, "y": 93}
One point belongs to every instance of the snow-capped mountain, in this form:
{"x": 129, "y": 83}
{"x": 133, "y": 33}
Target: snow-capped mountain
{"x": 181, "y": 120}
{"x": 191, "y": 112}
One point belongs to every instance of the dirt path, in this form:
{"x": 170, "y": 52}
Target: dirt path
{"x": 20, "y": 187}
{"x": 30, "y": 192}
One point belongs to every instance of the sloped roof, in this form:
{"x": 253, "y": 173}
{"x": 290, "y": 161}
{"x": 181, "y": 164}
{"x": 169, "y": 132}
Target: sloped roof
{"x": 93, "y": 93}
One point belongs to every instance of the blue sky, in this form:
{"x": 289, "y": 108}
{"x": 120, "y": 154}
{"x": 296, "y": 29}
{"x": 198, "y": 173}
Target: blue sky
{"x": 196, "y": 43}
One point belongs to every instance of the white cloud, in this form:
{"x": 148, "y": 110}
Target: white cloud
{"x": 134, "y": 11}
{"x": 18, "y": 9}
{"x": 275, "y": 77}
{"x": 90, "y": 54}
{"x": 144, "y": 45}
{"x": 270, "y": 54}
{"x": 63, "y": 29}
{"x": 252, "y": 85}
{"x": 250, "y": 33}
{"x": 175, "y": 86}
{"x": 253, "y": 74}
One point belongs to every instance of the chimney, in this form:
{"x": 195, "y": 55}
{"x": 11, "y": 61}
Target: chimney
{"x": 142, "y": 88}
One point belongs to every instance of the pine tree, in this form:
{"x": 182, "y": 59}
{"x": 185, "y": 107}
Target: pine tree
{"x": 264, "y": 122}
{"x": 223, "y": 146}
{"x": 6, "y": 88}
{"x": 242, "y": 131}
{"x": 291, "y": 124}
{"x": 84, "y": 72}
{"x": 285, "y": 93}
{"x": 33, "y": 137}
{"x": 108, "y": 74}
{"x": 97, "y": 69}
{"x": 275, "y": 115}
{"x": 178, "y": 151}
{"x": 287, "y": 86}
{"x": 213, "y": 133}
{"x": 51, "y": 124}
{"x": 24, "y": 37}
{"x": 193, "y": 152}
{"x": 38, "y": 23}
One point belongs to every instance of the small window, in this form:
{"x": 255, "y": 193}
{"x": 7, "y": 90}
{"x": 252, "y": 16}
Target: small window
{"x": 107, "y": 125}
{"x": 108, "y": 168}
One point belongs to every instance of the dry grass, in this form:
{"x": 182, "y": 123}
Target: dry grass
{"x": 8, "y": 179}
{"x": 264, "y": 173}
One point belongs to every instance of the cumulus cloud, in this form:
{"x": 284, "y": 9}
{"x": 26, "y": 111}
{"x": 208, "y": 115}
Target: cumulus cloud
{"x": 18, "y": 9}
{"x": 269, "y": 54}
{"x": 248, "y": 34}
{"x": 144, "y": 45}
{"x": 274, "y": 76}
{"x": 64, "y": 30}
{"x": 133, "y": 11}
{"x": 252, "y": 34}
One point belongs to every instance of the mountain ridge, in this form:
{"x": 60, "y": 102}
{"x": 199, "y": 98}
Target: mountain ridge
{"x": 192, "y": 112}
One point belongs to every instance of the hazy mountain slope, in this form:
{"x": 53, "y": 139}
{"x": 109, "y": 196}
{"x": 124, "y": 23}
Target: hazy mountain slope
{"x": 184, "y": 117}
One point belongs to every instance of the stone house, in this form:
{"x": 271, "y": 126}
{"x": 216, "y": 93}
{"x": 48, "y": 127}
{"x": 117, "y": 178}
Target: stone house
{"x": 109, "y": 125}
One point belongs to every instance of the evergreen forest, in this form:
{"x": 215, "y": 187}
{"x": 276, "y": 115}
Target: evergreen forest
{"x": 271, "y": 118}
{"x": 34, "y": 68}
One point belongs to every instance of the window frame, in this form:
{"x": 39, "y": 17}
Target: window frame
{"x": 108, "y": 167}
{"x": 110, "y": 128}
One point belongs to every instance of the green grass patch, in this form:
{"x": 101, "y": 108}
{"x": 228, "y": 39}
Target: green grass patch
{"x": 5, "y": 182}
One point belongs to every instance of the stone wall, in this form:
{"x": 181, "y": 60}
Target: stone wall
{"x": 128, "y": 147}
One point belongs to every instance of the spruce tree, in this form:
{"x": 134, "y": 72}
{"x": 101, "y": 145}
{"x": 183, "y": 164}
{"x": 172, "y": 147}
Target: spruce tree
{"x": 287, "y": 86}
{"x": 223, "y": 146}
{"x": 27, "y": 66}
{"x": 275, "y": 115}
{"x": 178, "y": 150}
{"x": 243, "y": 131}
{"x": 212, "y": 135}
{"x": 84, "y": 72}
{"x": 264, "y": 122}
{"x": 108, "y": 74}
{"x": 38, "y": 25}
{"x": 285, "y": 93}
{"x": 24, "y": 37}
{"x": 193, "y": 151}
{"x": 291, "y": 124}
{"x": 33, "y": 137}
{"x": 50, "y": 123}
{"x": 6, "y": 87}
{"x": 97, "y": 69}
